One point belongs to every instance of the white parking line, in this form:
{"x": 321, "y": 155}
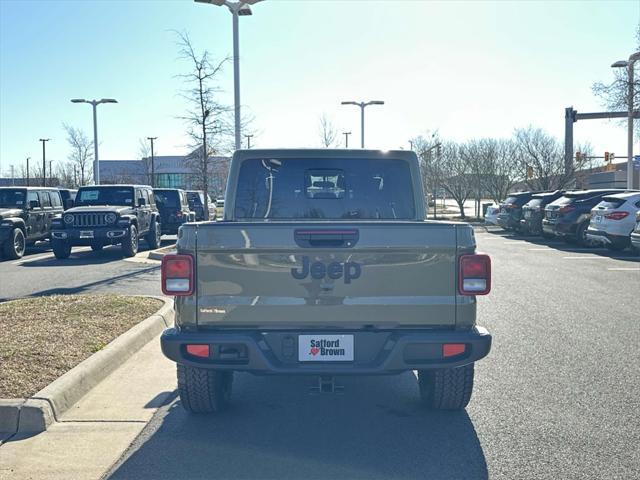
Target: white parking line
{"x": 625, "y": 269}
{"x": 594, "y": 257}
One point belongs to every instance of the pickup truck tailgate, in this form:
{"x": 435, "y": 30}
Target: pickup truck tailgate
{"x": 333, "y": 275}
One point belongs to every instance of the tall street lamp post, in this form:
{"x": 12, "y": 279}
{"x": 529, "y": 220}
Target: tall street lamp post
{"x": 44, "y": 161}
{"x": 362, "y": 105}
{"x": 237, "y": 9}
{"x": 94, "y": 104}
{"x": 629, "y": 65}
{"x": 153, "y": 167}
{"x": 28, "y": 158}
{"x": 346, "y": 139}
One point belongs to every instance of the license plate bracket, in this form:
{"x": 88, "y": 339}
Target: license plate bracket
{"x": 325, "y": 348}
{"x": 86, "y": 233}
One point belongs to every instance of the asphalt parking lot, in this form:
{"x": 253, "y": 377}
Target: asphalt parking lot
{"x": 106, "y": 271}
{"x": 556, "y": 398}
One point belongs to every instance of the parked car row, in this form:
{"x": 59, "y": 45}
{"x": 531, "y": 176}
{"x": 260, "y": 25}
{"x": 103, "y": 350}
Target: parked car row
{"x": 608, "y": 217}
{"x": 94, "y": 216}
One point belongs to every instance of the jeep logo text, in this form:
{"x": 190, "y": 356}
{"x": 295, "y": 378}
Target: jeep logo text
{"x": 334, "y": 270}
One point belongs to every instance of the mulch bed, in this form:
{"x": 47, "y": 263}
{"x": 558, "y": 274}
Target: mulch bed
{"x": 43, "y": 337}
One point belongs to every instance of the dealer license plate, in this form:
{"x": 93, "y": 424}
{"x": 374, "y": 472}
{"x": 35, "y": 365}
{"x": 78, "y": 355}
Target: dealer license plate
{"x": 86, "y": 233}
{"x": 325, "y": 348}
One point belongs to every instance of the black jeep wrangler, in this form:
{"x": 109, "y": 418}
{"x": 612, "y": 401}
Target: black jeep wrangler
{"x": 108, "y": 215}
{"x": 26, "y": 214}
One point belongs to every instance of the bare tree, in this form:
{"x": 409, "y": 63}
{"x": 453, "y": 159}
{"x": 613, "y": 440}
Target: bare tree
{"x": 205, "y": 116}
{"x": 457, "y": 179}
{"x": 615, "y": 95}
{"x": 503, "y": 168}
{"x": 65, "y": 173}
{"x": 81, "y": 153}
{"x": 144, "y": 152}
{"x": 327, "y": 131}
{"x": 542, "y": 155}
{"x": 426, "y": 148}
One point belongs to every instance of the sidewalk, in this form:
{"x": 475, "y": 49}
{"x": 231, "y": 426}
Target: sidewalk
{"x": 93, "y": 434}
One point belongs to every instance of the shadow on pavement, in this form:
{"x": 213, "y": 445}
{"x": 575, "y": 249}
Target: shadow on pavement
{"x": 276, "y": 429}
{"x": 87, "y": 286}
{"x": 89, "y": 257}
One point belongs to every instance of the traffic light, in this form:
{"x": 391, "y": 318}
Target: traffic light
{"x": 606, "y": 157}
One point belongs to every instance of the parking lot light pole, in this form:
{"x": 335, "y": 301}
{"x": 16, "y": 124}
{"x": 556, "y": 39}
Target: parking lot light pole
{"x": 346, "y": 139}
{"x": 28, "y": 158}
{"x": 629, "y": 64}
{"x": 237, "y": 9}
{"x": 153, "y": 168}
{"x": 44, "y": 161}
{"x": 362, "y": 105}
{"x": 94, "y": 104}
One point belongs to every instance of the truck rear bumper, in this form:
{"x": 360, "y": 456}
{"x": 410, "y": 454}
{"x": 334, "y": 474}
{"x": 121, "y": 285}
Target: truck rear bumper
{"x": 375, "y": 352}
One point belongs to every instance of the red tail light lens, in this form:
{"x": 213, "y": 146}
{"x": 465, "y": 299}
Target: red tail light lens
{"x": 474, "y": 276}
{"x": 566, "y": 209}
{"x": 196, "y": 350}
{"x": 452, "y": 349}
{"x": 617, "y": 215}
{"x": 177, "y": 275}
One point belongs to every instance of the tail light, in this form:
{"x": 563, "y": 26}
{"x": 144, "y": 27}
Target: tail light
{"x": 177, "y": 275}
{"x": 566, "y": 209}
{"x": 474, "y": 275}
{"x": 617, "y": 215}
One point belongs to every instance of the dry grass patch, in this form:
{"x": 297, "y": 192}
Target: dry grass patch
{"x": 43, "y": 337}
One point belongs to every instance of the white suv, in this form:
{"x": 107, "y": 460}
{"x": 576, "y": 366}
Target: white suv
{"x": 613, "y": 220}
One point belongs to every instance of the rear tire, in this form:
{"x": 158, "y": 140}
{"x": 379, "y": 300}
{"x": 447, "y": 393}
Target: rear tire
{"x": 581, "y": 235}
{"x": 130, "y": 243}
{"x": 154, "y": 236}
{"x": 61, "y": 249}
{"x": 203, "y": 390}
{"x": 446, "y": 389}
{"x": 15, "y": 245}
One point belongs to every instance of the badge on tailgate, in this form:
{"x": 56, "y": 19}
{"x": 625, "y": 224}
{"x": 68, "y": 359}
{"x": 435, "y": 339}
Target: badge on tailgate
{"x": 334, "y": 270}
{"x": 325, "y": 348}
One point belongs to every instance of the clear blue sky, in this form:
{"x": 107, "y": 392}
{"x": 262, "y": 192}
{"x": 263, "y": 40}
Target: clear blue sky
{"x": 468, "y": 69}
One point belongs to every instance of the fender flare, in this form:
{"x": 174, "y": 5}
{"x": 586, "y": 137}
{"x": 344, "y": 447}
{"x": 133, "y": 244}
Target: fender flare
{"x": 16, "y": 223}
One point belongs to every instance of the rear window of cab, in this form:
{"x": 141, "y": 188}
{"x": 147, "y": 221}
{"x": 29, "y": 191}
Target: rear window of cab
{"x": 328, "y": 188}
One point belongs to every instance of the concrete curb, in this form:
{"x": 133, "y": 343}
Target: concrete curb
{"x": 37, "y": 413}
{"x": 161, "y": 252}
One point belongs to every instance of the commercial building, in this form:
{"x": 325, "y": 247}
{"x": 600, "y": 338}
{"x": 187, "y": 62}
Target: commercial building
{"x": 169, "y": 172}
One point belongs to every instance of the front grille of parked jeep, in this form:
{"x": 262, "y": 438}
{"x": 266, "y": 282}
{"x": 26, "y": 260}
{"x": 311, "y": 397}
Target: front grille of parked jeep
{"x": 89, "y": 219}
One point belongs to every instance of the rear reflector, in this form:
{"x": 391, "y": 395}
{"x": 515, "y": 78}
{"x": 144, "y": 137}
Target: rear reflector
{"x": 474, "y": 275}
{"x": 452, "y": 349}
{"x": 177, "y": 275}
{"x": 198, "y": 350}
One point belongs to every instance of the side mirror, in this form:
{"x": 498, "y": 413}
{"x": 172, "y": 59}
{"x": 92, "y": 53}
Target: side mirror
{"x": 34, "y": 204}
{"x": 68, "y": 204}
{"x": 142, "y": 202}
